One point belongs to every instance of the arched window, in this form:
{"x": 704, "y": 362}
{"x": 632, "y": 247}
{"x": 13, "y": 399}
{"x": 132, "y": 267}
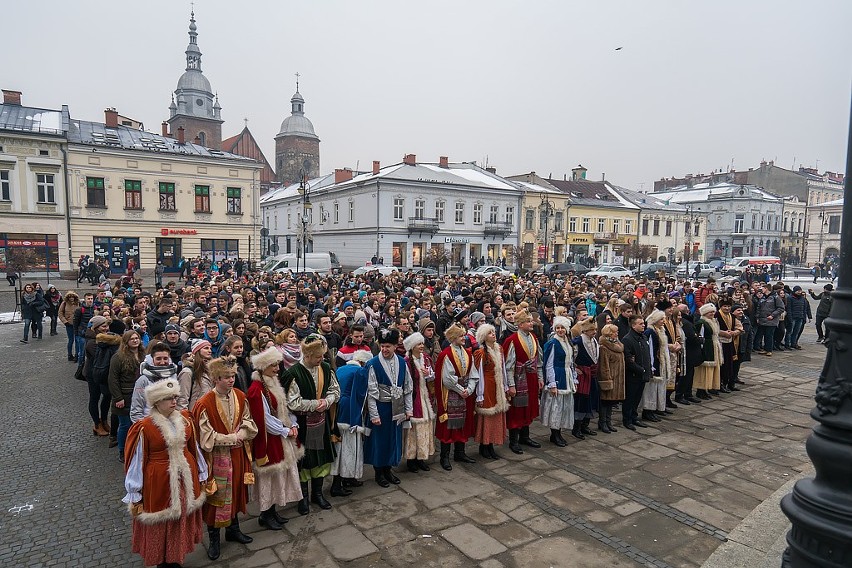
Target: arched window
{"x": 203, "y": 137}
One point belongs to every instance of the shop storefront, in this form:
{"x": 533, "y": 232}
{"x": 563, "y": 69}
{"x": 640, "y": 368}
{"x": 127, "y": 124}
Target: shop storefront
{"x": 117, "y": 251}
{"x": 220, "y": 249}
{"x": 29, "y": 252}
{"x": 169, "y": 252}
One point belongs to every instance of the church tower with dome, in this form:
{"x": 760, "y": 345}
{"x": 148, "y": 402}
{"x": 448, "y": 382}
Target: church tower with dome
{"x": 296, "y": 145}
{"x": 194, "y": 105}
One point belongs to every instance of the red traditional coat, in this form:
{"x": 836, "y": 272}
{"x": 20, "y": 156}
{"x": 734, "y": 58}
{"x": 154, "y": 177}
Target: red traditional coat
{"x": 442, "y": 431}
{"x": 526, "y": 369}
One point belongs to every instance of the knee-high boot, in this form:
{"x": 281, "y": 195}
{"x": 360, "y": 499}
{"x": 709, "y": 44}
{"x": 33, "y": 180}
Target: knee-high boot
{"x": 304, "y": 506}
{"x": 445, "y": 456}
{"x": 316, "y": 493}
{"x": 609, "y": 418}
{"x": 514, "y": 435}
{"x": 214, "y": 549}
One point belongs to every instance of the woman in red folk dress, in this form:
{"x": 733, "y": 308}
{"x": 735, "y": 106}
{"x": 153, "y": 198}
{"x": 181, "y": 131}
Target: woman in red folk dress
{"x": 491, "y": 390}
{"x": 165, "y": 480}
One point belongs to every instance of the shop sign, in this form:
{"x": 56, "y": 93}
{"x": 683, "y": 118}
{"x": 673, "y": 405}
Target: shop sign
{"x": 456, "y": 240}
{"x": 166, "y": 232}
{"x": 578, "y": 240}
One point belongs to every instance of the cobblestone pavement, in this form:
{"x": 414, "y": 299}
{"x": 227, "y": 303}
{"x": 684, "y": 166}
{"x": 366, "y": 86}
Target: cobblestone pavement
{"x": 665, "y": 496}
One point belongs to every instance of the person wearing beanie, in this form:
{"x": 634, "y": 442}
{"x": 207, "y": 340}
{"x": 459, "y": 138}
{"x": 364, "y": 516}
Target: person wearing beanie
{"x": 491, "y": 403}
{"x": 708, "y": 375}
{"x": 420, "y": 440}
{"x": 157, "y": 366}
{"x": 177, "y": 346}
{"x": 525, "y": 378}
{"x": 825, "y": 300}
{"x": 312, "y": 389}
{"x": 455, "y": 383}
{"x": 431, "y": 345}
{"x": 557, "y": 400}
{"x": 165, "y": 495}
{"x": 194, "y": 378}
{"x": 389, "y": 403}
{"x": 226, "y": 429}
{"x": 348, "y": 466}
{"x": 274, "y": 449}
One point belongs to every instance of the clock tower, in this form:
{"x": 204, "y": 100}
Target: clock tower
{"x": 296, "y": 144}
{"x": 194, "y": 105}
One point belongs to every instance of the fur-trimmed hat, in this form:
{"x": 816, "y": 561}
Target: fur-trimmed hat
{"x": 663, "y": 305}
{"x": 563, "y": 321}
{"x": 161, "y": 390}
{"x": 522, "y": 316}
{"x": 587, "y": 325}
{"x": 413, "y": 340}
{"x": 117, "y": 327}
{"x": 266, "y": 358}
{"x": 388, "y": 336}
{"x": 314, "y": 344}
{"x": 482, "y": 332}
{"x": 222, "y": 367}
{"x": 655, "y": 317}
{"x": 707, "y": 308}
{"x": 453, "y": 332}
{"x": 362, "y": 356}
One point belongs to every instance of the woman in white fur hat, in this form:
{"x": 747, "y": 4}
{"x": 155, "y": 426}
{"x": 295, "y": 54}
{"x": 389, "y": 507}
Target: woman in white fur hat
{"x": 708, "y": 374}
{"x": 420, "y": 439}
{"x": 491, "y": 401}
{"x": 274, "y": 450}
{"x": 165, "y": 477}
{"x": 557, "y": 397}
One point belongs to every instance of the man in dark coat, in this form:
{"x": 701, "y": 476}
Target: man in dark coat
{"x": 623, "y": 320}
{"x": 693, "y": 357}
{"x": 637, "y": 366}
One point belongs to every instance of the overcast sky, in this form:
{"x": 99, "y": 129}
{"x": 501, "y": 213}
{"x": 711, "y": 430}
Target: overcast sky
{"x": 534, "y": 85}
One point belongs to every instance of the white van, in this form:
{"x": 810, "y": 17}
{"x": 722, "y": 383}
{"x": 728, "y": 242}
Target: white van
{"x": 736, "y": 266}
{"x": 325, "y": 263}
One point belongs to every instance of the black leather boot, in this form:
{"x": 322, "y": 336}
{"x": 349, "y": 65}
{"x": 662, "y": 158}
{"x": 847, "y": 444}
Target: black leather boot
{"x": 316, "y": 493}
{"x": 412, "y": 466}
{"x": 526, "y": 440}
{"x": 267, "y": 520}
{"x": 388, "y": 473}
{"x": 609, "y": 419}
{"x": 483, "y": 450}
{"x": 460, "y": 456}
{"x": 213, "y": 550}
{"x": 234, "y": 534}
{"x": 352, "y": 482}
{"x": 380, "y": 477}
{"x": 514, "y": 434}
{"x": 282, "y": 520}
{"x": 491, "y": 453}
{"x": 445, "y": 457}
{"x": 602, "y": 422}
{"x": 556, "y": 438}
{"x": 337, "y": 489}
{"x": 575, "y": 431}
{"x": 422, "y": 465}
{"x": 304, "y": 506}
{"x": 584, "y": 427}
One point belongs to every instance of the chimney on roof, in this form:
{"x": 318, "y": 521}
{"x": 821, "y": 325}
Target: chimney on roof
{"x": 491, "y": 170}
{"x": 181, "y": 139}
{"x": 444, "y": 162}
{"x": 165, "y": 126}
{"x": 197, "y": 140}
{"x": 111, "y": 118}
{"x": 578, "y": 173}
{"x": 603, "y": 176}
{"x": 564, "y": 177}
{"x": 377, "y": 165}
{"x": 341, "y": 175}
{"x": 410, "y": 159}
{"x": 11, "y": 97}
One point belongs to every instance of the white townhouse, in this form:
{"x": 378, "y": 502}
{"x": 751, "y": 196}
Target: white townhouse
{"x": 408, "y": 214}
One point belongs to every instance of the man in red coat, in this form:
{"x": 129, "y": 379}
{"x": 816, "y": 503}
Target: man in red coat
{"x": 525, "y": 374}
{"x": 455, "y": 383}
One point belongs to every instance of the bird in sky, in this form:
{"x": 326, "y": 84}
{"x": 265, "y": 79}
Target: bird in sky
{"x": 619, "y": 48}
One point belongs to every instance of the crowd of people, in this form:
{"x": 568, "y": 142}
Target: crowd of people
{"x": 230, "y": 388}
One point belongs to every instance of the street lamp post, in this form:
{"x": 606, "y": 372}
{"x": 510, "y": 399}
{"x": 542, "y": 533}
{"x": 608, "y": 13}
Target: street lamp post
{"x": 820, "y": 508}
{"x": 821, "y": 234}
{"x": 548, "y": 209}
{"x": 306, "y": 207}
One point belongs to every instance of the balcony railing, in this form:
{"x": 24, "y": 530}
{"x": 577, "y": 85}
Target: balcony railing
{"x": 423, "y": 225}
{"x": 499, "y": 228}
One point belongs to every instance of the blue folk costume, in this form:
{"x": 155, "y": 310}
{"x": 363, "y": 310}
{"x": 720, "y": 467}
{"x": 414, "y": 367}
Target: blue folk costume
{"x": 349, "y": 463}
{"x": 389, "y": 401}
{"x": 587, "y": 397}
{"x": 557, "y": 411}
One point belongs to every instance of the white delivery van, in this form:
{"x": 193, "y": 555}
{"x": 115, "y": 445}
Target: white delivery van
{"x": 325, "y": 263}
{"x": 736, "y": 266}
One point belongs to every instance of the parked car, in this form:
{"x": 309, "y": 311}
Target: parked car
{"x": 704, "y": 270}
{"x": 421, "y": 270}
{"x": 613, "y": 272}
{"x": 651, "y": 270}
{"x": 381, "y": 269}
{"x": 488, "y": 271}
{"x": 563, "y": 269}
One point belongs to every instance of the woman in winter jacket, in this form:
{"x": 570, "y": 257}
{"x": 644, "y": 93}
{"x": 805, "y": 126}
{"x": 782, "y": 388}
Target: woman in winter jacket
{"x": 32, "y": 309}
{"x": 123, "y": 372}
{"x": 66, "y": 316}
{"x": 610, "y": 375}
{"x": 98, "y": 338}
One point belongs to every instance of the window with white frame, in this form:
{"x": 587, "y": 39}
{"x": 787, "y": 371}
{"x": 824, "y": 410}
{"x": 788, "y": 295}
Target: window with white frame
{"x": 5, "y": 186}
{"x": 697, "y": 228}
{"x": 572, "y": 224}
{"x": 739, "y": 223}
{"x": 398, "y": 208}
{"x": 336, "y": 212}
{"x": 587, "y": 223}
{"x": 289, "y": 220}
{"x": 601, "y": 225}
{"x": 510, "y": 215}
{"x": 616, "y": 226}
{"x": 477, "y": 214}
{"x": 440, "y": 205}
{"x": 494, "y": 213}
{"x": 628, "y": 226}
{"x": 351, "y": 210}
{"x": 557, "y": 221}
{"x": 459, "y": 211}
{"x": 420, "y": 209}
{"x": 529, "y": 220}
{"x": 322, "y": 215}
{"x": 46, "y": 188}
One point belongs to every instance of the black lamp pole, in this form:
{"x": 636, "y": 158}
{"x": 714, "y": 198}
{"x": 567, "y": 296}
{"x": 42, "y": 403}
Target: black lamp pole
{"x": 821, "y": 508}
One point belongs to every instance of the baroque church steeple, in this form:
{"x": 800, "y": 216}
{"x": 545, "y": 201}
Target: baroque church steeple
{"x": 296, "y": 144}
{"x": 194, "y": 105}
